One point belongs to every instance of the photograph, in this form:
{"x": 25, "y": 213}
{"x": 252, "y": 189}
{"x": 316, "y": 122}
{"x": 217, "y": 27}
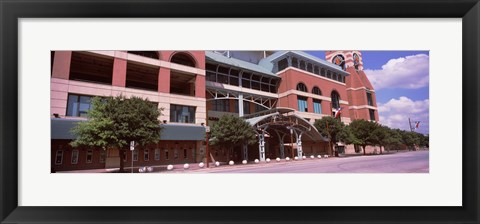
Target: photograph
{"x": 239, "y": 111}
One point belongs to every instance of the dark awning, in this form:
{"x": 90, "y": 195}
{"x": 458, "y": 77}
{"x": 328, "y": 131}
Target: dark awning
{"x": 60, "y": 129}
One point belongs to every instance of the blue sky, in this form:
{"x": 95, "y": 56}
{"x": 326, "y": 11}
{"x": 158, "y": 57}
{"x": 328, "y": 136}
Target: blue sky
{"x": 401, "y": 82}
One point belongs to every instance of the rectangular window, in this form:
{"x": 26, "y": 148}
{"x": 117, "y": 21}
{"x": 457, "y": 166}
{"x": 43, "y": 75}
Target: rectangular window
{"x": 302, "y": 104}
{"x": 157, "y": 154}
{"x": 166, "y": 154}
{"x": 317, "y": 106}
{"x": 182, "y": 114}
{"x": 369, "y": 99}
{"x": 74, "y": 156}
{"x": 135, "y": 155}
{"x": 372, "y": 114}
{"x": 246, "y": 107}
{"x": 77, "y": 105}
{"x": 145, "y": 155}
{"x": 185, "y": 153}
{"x": 59, "y": 157}
{"x": 102, "y": 156}
{"x": 89, "y": 156}
{"x": 221, "y": 105}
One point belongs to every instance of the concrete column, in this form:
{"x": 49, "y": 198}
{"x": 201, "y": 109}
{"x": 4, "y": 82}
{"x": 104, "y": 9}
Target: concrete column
{"x": 240, "y": 105}
{"x": 61, "y": 64}
{"x": 299, "y": 145}
{"x": 164, "y": 80}
{"x": 261, "y": 147}
{"x": 200, "y": 86}
{"x": 119, "y": 76}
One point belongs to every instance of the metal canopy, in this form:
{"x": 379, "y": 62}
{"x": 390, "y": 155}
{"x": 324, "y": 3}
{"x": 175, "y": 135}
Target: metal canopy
{"x": 283, "y": 119}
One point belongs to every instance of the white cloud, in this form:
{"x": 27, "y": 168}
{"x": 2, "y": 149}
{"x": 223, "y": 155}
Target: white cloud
{"x": 395, "y": 113}
{"x": 410, "y": 72}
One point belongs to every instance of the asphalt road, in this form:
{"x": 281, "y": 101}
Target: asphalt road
{"x": 405, "y": 162}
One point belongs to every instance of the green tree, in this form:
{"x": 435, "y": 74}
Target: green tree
{"x": 362, "y": 131}
{"x": 394, "y": 139}
{"x": 410, "y": 139}
{"x": 336, "y": 131}
{"x": 231, "y": 131}
{"x": 114, "y": 122}
{"x": 380, "y": 136}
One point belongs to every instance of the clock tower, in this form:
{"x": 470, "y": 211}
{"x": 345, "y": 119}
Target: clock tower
{"x": 360, "y": 92}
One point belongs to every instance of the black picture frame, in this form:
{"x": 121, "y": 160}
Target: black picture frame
{"x": 11, "y": 11}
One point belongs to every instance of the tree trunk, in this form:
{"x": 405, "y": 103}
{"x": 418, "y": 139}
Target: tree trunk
{"x": 364, "y": 153}
{"x": 381, "y": 150}
{"x": 122, "y": 154}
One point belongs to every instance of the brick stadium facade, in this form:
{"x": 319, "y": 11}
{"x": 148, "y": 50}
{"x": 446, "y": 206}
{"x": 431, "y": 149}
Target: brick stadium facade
{"x": 198, "y": 87}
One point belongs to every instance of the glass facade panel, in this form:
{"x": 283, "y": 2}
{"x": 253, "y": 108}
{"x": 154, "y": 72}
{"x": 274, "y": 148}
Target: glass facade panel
{"x": 302, "y": 104}
{"x": 317, "y": 106}
{"x": 182, "y": 114}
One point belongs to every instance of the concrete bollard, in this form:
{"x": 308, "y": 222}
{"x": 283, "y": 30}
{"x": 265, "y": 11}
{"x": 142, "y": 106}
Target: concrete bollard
{"x": 326, "y": 156}
{"x": 231, "y": 163}
{"x": 149, "y": 169}
{"x": 304, "y": 157}
{"x": 312, "y": 157}
{"x": 142, "y": 170}
{"x": 244, "y": 161}
{"x": 257, "y": 161}
{"x": 170, "y": 167}
{"x": 278, "y": 159}
{"x": 288, "y": 158}
{"x": 319, "y": 156}
{"x": 217, "y": 163}
{"x": 201, "y": 165}
{"x": 267, "y": 160}
{"x": 296, "y": 157}
{"x": 186, "y": 166}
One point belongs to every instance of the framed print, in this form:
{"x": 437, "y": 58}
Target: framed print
{"x": 49, "y": 179}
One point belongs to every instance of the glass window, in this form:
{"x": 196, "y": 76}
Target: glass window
{"x": 335, "y": 100}
{"x": 182, "y": 114}
{"x": 317, "y": 106}
{"x": 322, "y": 72}
{"x": 77, "y": 106}
{"x": 185, "y": 153}
{"x": 329, "y": 74}
{"x": 221, "y": 105}
{"x": 166, "y": 154}
{"x": 369, "y": 99}
{"x": 372, "y": 114}
{"x": 157, "y": 154}
{"x": 74, "y": 156}
{"x": 294, "y": 62}
{"x": 145, "y": 155}
{"x": 282, "y": 64}
{"x": 302, "y": 87}
{"x": 302, "y": 104}
{"x": 59, "y": 157}
{"x": 135, "y": 155}
{"x": 89, "y": 156}
{"x": 246, "y": 107}
{"x": 316, "y": 91}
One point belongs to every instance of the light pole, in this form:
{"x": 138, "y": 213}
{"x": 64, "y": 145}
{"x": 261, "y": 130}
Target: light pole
{"x": 132, "y": 148}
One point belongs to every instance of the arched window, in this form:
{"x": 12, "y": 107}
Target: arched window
{"x": 356, "y": 60}
{"x": 316, "y": 91}
{"x": 183, "y": 59}
{"x": 335, "y": 100}
{"x": 302, "y": 87}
